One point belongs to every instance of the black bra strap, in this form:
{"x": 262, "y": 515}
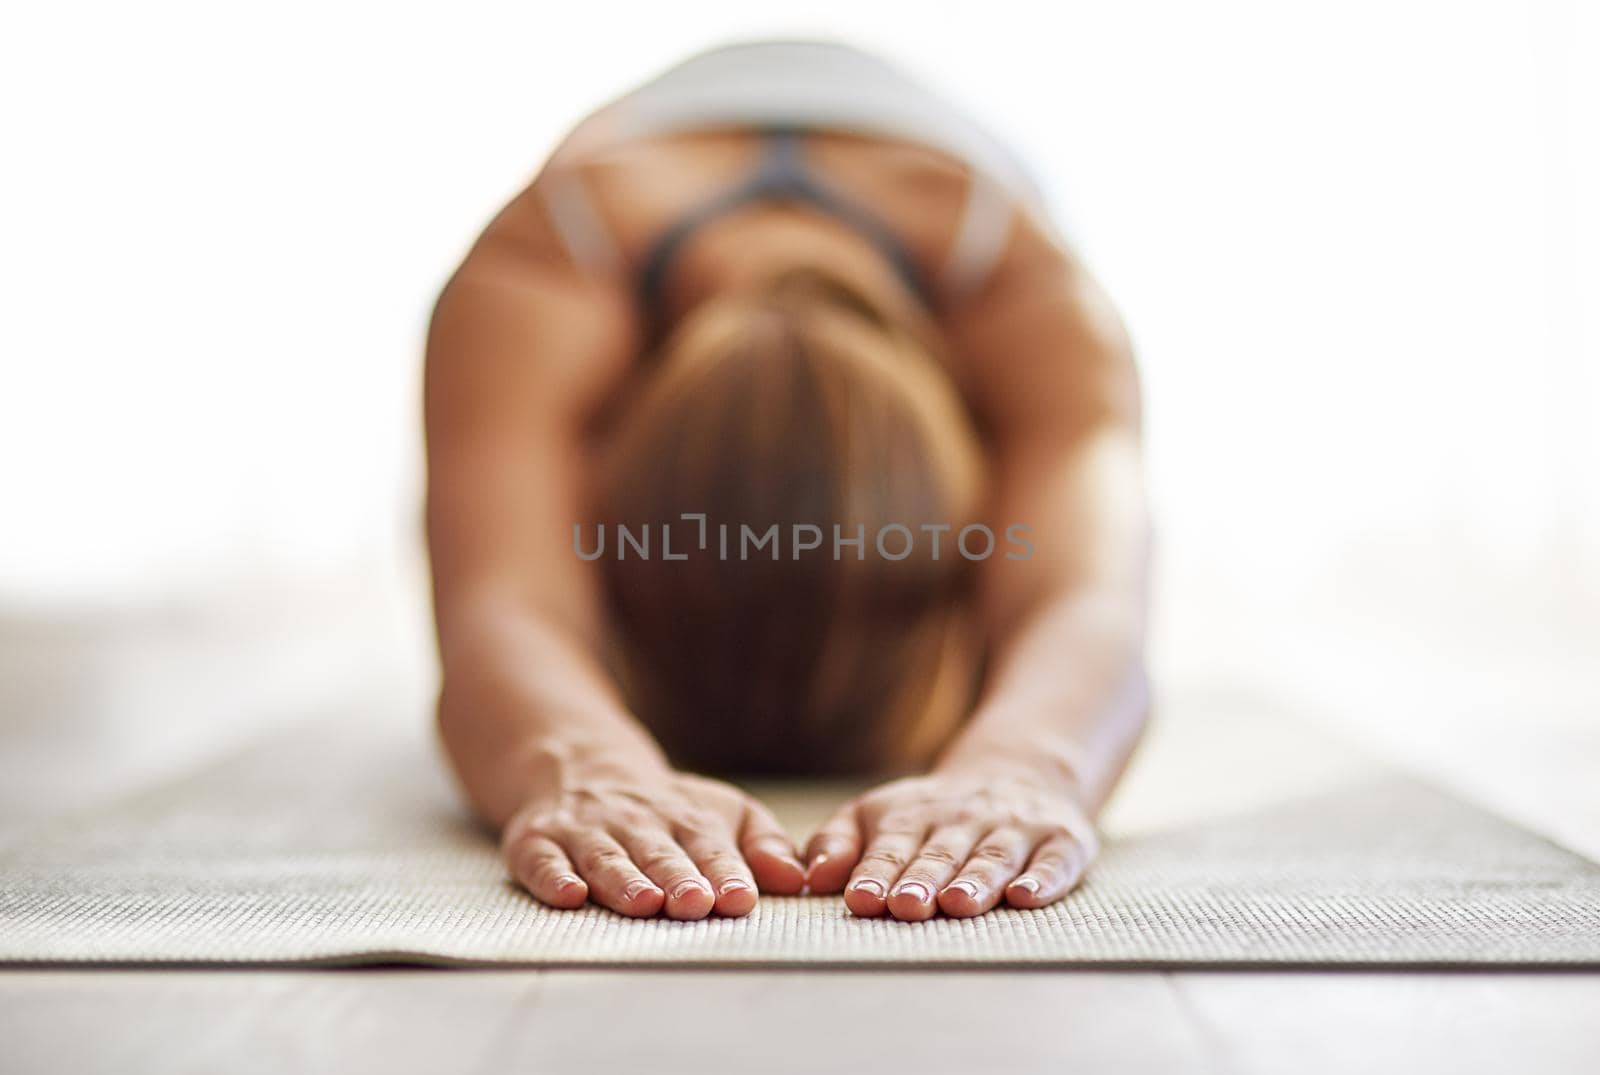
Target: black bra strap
{"x": 781, "y": 176}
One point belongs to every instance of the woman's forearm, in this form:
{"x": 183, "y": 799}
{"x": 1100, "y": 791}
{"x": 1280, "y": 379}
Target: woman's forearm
{"x": 1067, "y": 698}
{"x": 523, "y": 700}
{"x": 1066, "y": 691}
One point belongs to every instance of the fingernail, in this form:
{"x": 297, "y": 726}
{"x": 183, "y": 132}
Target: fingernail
{"x": 915, "y": 889}
{"x": 636, "y": 889}
{"x": 966, "y": 888}
{"x": 869, "y": 886}
{"x": 733, "y": 884}
{"x": 1027, "y": 884}
{"x": 687, "y": 887}
{"x": 566, "y": 880}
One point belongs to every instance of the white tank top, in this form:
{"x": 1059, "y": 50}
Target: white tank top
{"x": 802, "y": 85}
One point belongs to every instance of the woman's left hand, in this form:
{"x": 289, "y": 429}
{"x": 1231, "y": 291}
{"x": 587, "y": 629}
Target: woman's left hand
{"x": 960, "y": 841}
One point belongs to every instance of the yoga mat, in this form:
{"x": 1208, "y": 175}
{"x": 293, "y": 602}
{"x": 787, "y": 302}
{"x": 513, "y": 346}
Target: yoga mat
{"x": 1242, "y": 838}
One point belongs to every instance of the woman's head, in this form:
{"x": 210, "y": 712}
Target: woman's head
{"x": 800, "y": 405}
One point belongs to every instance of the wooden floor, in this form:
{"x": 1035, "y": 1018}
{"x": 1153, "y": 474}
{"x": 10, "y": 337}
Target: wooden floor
{"x": 350, "y": 1022}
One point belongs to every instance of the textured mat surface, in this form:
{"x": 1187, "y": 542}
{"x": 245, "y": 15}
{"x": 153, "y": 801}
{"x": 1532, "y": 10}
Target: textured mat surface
{"x": 1240, "y": 839}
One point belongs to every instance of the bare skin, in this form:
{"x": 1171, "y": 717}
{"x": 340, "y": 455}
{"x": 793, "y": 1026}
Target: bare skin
{"x": 525, "y": 352}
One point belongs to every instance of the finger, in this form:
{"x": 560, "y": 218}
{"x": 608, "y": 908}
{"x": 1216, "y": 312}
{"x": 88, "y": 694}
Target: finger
{"x": 769, "y": 851}
{"x": 714, "y": 854}
{"x": 689, "y": 894}
{"x": 1056, "y": 867}
{"x": 912, "y": 899}
{"x": 540, "y": 866}
{"x": 889, "y": 851}
{"x": 613, "y": 880}
{"x": 981, "y": 883}
{"x": 833, "y": 850}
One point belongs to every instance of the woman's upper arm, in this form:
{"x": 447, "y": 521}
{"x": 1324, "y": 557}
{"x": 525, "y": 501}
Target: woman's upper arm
{"x": 523, "y": 349}
{"x": 1045, "y": 354}
{"x": 1050, "y": 375}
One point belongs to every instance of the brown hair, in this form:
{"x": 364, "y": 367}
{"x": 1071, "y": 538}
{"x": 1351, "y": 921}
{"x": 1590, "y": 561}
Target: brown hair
{"x": 801, "y": 402}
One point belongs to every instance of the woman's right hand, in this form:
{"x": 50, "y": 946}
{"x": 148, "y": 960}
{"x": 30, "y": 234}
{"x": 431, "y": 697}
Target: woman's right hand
{"x": 645, "y": 840}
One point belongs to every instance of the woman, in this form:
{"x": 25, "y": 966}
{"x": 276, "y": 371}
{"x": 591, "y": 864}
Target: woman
{"x": 783, "y": 296}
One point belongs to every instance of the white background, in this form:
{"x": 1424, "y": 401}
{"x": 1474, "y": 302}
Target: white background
{"x": 1358, "y": 245}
